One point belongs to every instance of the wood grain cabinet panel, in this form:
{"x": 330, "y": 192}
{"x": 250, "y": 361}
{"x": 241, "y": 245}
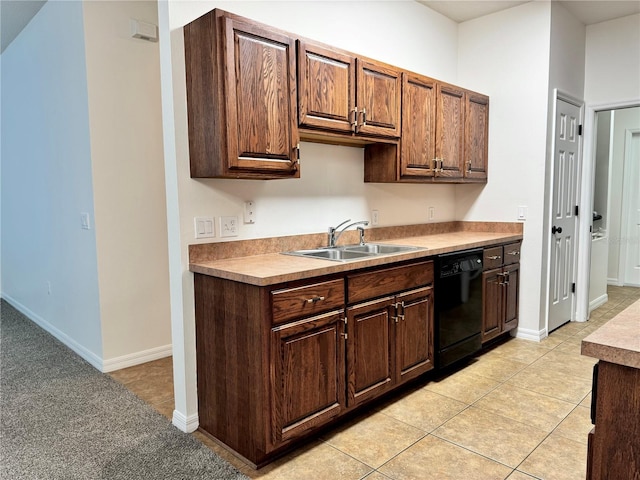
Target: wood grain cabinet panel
{"x": 327, "y": 82}
{"x": 414, "y": 334}
{"x": 308, "y": 374}
{"x": 476, "y": 139}
{"x": 418, "y": 152}
{"x": 500, "y": 290}
{"x": 342, "y": 93}
{"x": 241, "y": 98}
{"x": 614, "y": 443}
{"x": 378, "y": 98}
{"x": 369, "y": 368}
{"x": 450, "y": 131}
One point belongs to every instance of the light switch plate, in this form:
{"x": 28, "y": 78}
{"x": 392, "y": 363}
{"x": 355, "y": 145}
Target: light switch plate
{"x": 204, "y": 227}
{"x": 522, "y": 213}
{"x": 229, "y": 226}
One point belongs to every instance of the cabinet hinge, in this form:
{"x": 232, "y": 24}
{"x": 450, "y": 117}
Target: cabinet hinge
{"x": 573, "y": 288}
{"x": 576, "y": 210}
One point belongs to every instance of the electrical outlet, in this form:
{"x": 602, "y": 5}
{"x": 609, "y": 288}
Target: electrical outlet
{"x": 374, "y": 218}
{"x": 228, "y": 226}
{"x": 250, "y": 212}
{"x": 432, "y": 213}
{"x": 204, "y": 227}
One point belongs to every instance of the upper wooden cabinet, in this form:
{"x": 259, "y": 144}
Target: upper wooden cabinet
{"x": 341, "y": 93}
{"x": 253, "y": 91}
{"x": 444, "y": 136}
{"x": 241, "y": 95}
{"x": 450, "y": 133}
{"x": 476, "y": 143}
{"x": 418, "y": 126}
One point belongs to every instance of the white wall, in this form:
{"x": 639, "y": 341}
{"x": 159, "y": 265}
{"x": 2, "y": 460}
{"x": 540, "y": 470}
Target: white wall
{"x": 566, "y": 77}
{"x": 405, "y": 34}
{"x": 128, "y": 181}
{"x": 623, "y": 120}
{"x": 612, "y": 62}
{"x": 46, "y": 179}
{"x": 506, "y": 56}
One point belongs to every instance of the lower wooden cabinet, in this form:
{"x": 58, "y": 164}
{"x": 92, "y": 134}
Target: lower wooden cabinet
{"x": 614, "y": 443}
{"x": 500, "y": 290}
{"x": 307, "y": 372}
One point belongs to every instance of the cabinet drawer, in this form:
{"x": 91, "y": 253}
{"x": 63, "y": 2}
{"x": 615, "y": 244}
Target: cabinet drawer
{"x": 492, "y": 258}
{"x": 512, "y": 253}
{"x": 307, "y": 300}
{"x": 365, "y": 286}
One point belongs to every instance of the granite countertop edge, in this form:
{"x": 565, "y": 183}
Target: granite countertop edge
{"x": 617, "y": 341}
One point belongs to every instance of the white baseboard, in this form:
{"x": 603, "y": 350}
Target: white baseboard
{"x": 136, "y": 358}
{"x": 86, "y": 354}
{"x": 103, "y": 365}
{"x": 597, "y": 302}
{"x": 535, "y": 335}
{"x": 186, "y": 424}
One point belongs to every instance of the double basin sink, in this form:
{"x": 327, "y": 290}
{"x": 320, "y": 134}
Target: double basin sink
{"x": 353, "y": 252}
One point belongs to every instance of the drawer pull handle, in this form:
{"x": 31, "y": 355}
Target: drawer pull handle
{"x": 315, "y": 299}
{"x": 517, "y": 252}
{"x": 494, "y": 257}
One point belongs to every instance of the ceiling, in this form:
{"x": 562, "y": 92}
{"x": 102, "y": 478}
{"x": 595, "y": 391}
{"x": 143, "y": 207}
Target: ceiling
{"x": 588, "y": 12}
{"x": 16, "y": 14}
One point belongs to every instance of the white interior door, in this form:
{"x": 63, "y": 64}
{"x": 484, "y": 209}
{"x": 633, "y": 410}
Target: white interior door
{"x": 631, "y": 203}
{"x": 566, "y": 172}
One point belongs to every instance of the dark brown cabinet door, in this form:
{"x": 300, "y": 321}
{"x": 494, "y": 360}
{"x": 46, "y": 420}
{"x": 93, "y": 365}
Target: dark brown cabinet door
{"x": 414, "y": 333}
{"x": 327, "y": 79}
{"x": 510, "y": 290}
{"x": 241, "y": 98}
{"x": 418, "y": 126}
{"x": 307, "y": 374}
{"x": 492, "y": 304}
{"x": 378, "y": 98}
{"x": 369, "y": 369}
{"x": 450, "y": 131}
{"x": 476, "y": 136}
{"x": 260, "y": 96}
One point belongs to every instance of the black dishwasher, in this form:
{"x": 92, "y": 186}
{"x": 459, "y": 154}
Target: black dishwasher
{"x": 458, "y": 306}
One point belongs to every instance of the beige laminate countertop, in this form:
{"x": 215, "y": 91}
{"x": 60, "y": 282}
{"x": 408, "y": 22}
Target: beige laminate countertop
{"x": 273, "y": 268}
{"x": 617, "y": 341}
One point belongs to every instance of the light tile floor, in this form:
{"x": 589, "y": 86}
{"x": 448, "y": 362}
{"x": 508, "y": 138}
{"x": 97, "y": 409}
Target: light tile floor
{"x": 518, "y": 411}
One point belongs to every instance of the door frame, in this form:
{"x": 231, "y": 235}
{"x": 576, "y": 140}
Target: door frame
{"x": 578, "y": 265}
{"x": 586, "y": 198}
{"x": 624, "y": 220}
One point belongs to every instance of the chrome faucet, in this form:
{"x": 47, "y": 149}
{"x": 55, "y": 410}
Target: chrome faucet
{"x": 334, "y": 232}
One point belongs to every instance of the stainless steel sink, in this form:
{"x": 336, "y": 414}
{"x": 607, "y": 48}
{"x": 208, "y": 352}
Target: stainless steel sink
{"x": 352, "y": 252}
{"x": 379, "y": 248}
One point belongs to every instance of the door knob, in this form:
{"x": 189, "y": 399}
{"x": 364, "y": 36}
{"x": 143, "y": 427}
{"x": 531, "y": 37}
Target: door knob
{"x": 555, "y": 229}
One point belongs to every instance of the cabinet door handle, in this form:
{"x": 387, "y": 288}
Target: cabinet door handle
{"x": 435, "y": 164}
{"x": 517, "y": 252}
{"x": 441, "y": 169}
{"x": 354, "y": 122}
{"x": 494, "y": 257}
{"x": 364, "y": 117}
{"x": 315, "y": 299}
{"x": 344, "y": 335}
{"x": 401, "y": 317}
{"x": 469, "y": 166}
